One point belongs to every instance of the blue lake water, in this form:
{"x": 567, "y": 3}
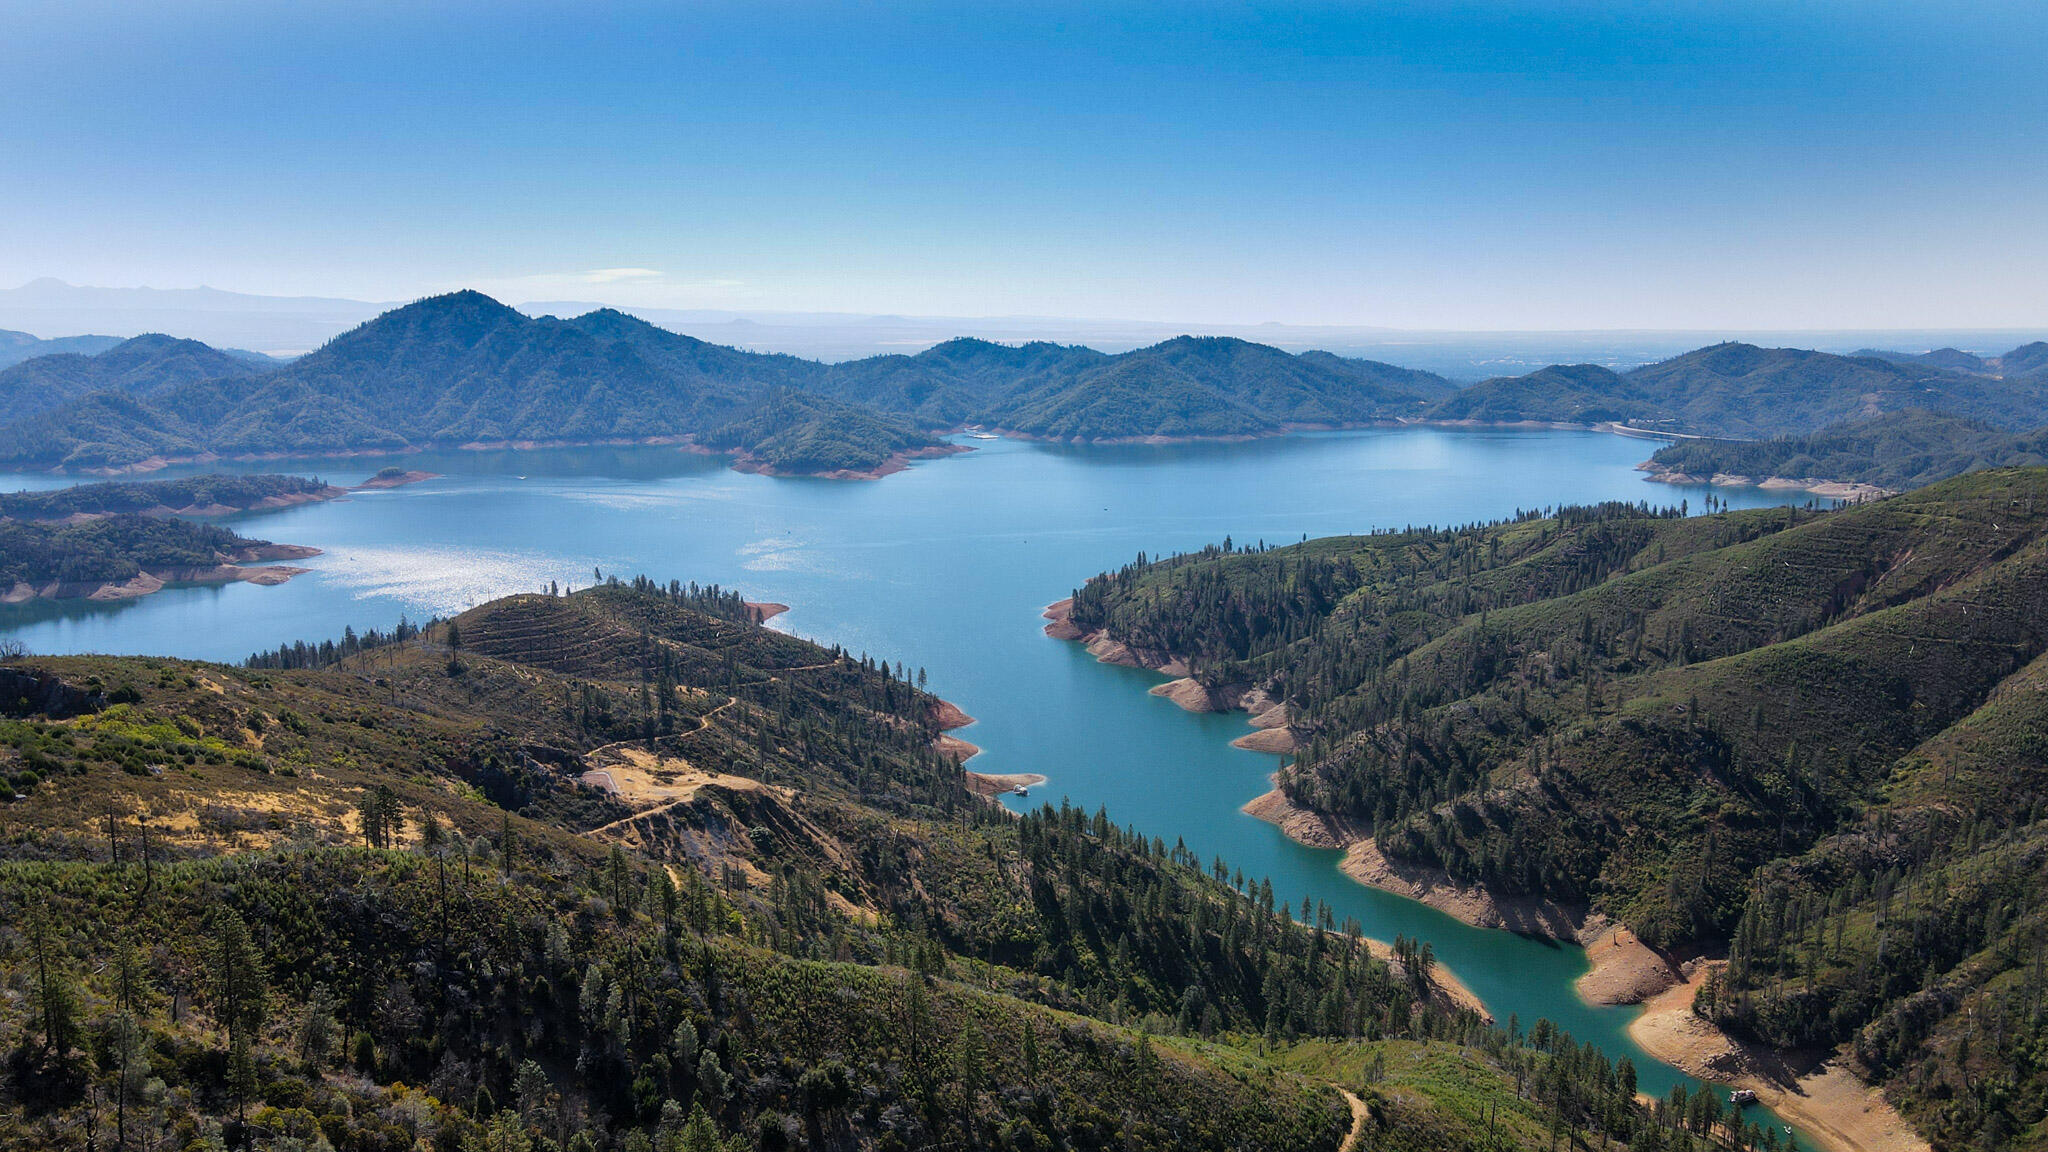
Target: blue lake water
{"x": 946, "y": 566}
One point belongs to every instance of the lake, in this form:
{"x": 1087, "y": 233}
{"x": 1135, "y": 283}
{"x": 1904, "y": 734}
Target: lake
{"x": 946, "y": 567}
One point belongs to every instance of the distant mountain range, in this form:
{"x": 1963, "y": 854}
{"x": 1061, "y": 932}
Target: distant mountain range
{"x": 289, "y": 326}
{"x": 464, "y": 370}
{"x": 144, "y": 366}
{"x": 2020, "y": 361}
{"x": 18, "y": 346}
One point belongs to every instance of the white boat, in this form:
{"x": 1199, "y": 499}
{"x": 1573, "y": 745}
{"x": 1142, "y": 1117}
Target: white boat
{"x": 1742, "y": 1097}
{"x": 1021, "y": 790}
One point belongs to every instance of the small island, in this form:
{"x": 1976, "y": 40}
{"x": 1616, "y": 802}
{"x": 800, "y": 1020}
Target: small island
{"x": 394, "y": 477}
{"x": 126, "y": 555}
{"x": 210, "y": 495}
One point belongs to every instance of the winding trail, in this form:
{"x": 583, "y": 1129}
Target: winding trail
{"x": 1354, "y": 1138}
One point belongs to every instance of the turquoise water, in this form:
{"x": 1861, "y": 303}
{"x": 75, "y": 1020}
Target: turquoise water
{"x": 946, "y": 566}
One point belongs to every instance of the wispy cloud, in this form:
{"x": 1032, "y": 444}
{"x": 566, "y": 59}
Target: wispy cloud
{"x": 625, "y": 286}
{"x": 615, "y": 275}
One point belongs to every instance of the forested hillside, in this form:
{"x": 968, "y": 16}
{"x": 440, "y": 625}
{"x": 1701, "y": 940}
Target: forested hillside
{"x": 76, "y": 559}
{"x": 145, "y": 366}
{"x": 18, "y": 346}
{"x": 211, "y": 495}
{"x": 625, "y": 869}
{"x": 1815, "y": 734}
{"x": 794, "y": 433}
{"x": 1742, "y": 391}
{"x": 1898, "y": 451}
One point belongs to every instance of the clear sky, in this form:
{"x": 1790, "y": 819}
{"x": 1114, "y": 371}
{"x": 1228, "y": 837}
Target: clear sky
{"x": 1539, "y": 164}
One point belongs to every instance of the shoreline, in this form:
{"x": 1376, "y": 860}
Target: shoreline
{"x": 894, "y": 464}
{"x": 1274, "y": 733}
{"x": 1854, "y": 491}
{"x": 1813, "y": 1091}
{"x": 897, "y": 462}
{"x": 948, "y": 716}
{"x": 740, "y": 462}
{"x": 151, "y": 581}
{"x": 1823, "y": 1099}
{"x": 991, "y": 785}
{"x": 764, "y": 610}
{"x": 157, "y": 463}
{"x": 380, "y": 482}
{"x": 266, "y": 504}
{"x": 1363, "y": 862}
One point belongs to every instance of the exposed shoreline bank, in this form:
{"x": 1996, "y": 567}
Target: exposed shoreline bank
{"x": 948, "y": 716}
{"x": 1814, "y": 1091}
{"x": 1853, "y": 491}
{"x": 270, "y": 503}
{"x": 896, "y": 462}
{"x": 1824, "y": 1099}
{"x": 150, "y": 581}
{"x": 764, "y": 610}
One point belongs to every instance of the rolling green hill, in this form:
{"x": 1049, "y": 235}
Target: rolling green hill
{"x": 1816, "y": 735}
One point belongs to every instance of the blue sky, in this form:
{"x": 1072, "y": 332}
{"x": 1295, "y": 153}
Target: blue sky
{"x": 1713, "y": 164}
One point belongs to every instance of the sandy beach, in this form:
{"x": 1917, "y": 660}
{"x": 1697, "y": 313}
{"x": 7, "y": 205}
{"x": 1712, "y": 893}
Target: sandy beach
{"x": 948, "y": 716}
{"x": 1814, "y": 1091}
{"x": 764, "y": 610}
{"x": 990, "y": 785}
{"x": 1625, "y": 970}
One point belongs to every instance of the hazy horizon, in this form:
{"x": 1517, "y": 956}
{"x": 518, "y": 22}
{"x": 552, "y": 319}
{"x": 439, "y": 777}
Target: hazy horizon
{"x": 290, "y": 326}
{"x": 1500, "y": 166}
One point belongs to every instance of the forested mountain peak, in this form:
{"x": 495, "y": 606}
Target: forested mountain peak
{"x": 147, "y": 365}
{"x": 2026, "y": 358}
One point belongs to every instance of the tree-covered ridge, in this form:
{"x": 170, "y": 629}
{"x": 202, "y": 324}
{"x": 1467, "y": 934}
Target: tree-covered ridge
{"x": 211, "y": 494}
{"x": 1818, "y": 735}
{"x": 16, "y": 347}
{"x": 414, "y": 886}
{"x": 1478, "y": 693}
{"x": 1915, "y": 935}
{"x": 792, "y": 432}
{"x": 1742, "y": 391}
{"x": 113, "y": 549}
{"x": 2021, "y": 361}
{"x": 144, "y": 366}
{"x": 1898, "y": 451}
{"x": 1214, "y": 386}
{"x": 464, "y": 369}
